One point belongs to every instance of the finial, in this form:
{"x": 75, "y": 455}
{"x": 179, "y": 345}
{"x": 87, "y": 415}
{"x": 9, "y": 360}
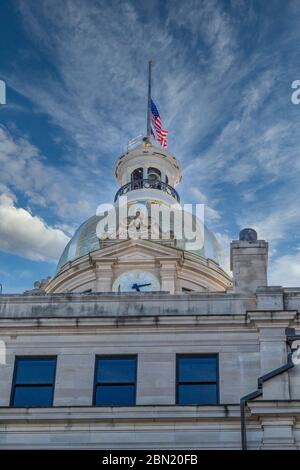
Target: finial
{"x": 248, "y": 235}
{"x": 146, "y": 142}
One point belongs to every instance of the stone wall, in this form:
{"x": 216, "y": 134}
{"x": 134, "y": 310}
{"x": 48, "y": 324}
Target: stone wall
{"x": 249, "y": 342}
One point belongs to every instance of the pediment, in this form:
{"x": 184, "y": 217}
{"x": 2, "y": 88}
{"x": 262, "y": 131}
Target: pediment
{"x": 135, "y": 254}
{"x": 130, "y": 250}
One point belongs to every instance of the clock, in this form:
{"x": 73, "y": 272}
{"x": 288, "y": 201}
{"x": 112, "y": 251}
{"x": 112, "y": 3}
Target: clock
{"x": 136, "y": 281}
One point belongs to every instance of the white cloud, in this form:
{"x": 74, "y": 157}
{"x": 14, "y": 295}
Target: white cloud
{"x": 199, "y": 196}
{"x": 274, "y": 224}
{"x": 100, "y": 86}
{"x": 99, "y": 72}
{"x": 26, "y": 235}
{"x": 66, "y": 190}
{"x": 285, "y": 271}
{"x": 240, "y": 172}
{"x": 224, "y": 251}
{"x": 212, "y": 214}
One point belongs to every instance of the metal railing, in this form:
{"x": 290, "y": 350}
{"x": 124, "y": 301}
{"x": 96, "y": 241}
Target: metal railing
{"x": 147, "y": 184}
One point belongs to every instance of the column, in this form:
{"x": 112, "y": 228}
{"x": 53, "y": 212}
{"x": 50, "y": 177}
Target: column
{"x": 168, "y": 274}
{"x": 273, "y": 354}
{"x": 104, "y": 276}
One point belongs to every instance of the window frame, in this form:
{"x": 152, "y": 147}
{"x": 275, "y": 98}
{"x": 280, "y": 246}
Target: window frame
{"x": 152, "y": 170}
{"x": 216, "y": 382}
{"x": 114, "y": 356}
{"x": 133, "y": 175}
{"x": 15, "y": 385}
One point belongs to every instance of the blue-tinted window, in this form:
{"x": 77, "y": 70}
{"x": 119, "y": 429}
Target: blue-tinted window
{"x": 198, "y": 394}
{"x": 33, "y": 381}
{"x": 115, "y": 395}
{"x": 33, "y": 396}
{"x": 117, "y": 370}
{"x": 115, "y": 381}
{"x": 197, "y": 369}
{"x": 197, "y": 379}
{"x": 32, "y": 371}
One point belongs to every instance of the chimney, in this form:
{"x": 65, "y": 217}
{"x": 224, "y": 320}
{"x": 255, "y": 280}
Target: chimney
{"x": 248, "y": 262}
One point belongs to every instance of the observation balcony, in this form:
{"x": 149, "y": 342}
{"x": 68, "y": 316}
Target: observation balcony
{"x": 147, "y": 184}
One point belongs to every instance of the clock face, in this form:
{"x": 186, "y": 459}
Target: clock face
{"x": 136, "y": 281}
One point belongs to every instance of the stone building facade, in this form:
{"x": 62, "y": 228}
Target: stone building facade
{"x": 144, "y": 344}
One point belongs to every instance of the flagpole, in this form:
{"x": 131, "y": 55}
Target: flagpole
{"x": 149, "y": 99}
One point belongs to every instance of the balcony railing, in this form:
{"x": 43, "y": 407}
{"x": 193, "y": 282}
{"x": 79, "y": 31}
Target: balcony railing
{"x": 147, "y": 184}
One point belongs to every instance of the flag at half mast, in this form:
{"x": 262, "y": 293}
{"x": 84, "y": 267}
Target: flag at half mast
{"x": 158, "y": 133}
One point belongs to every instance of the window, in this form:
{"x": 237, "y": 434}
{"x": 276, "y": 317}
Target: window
{"x": 136, "y": 178}
{"x": 197, "y": 380}
{"x": 115, "y": 380}
{"x": 34, "y": 379}
{"x": 154, "y": 174}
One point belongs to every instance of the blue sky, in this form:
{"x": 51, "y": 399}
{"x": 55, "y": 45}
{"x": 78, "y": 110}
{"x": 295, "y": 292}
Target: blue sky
{"x": 76, "y": 93}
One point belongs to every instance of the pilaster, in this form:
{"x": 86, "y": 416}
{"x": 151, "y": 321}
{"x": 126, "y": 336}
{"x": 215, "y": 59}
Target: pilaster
{"x": 104, "y": 276}
{"x": 273, "y": 349}
{"x": 168, "y": 275}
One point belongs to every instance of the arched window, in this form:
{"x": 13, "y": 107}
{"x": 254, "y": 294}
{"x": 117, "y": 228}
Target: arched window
{"x": 154, "y": 177}
{"x": 136, "y": 178}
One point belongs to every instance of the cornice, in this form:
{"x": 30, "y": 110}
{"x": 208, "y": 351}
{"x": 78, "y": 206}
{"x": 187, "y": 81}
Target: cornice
{"x": 208, "y": 323}
{"x": 138, "y": 413}
{"x": 261, "y": 318}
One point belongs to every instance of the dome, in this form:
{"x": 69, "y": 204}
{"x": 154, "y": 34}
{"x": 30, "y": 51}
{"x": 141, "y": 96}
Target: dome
{"x": 85, "y": 240}
{"x": 147, "y": 176}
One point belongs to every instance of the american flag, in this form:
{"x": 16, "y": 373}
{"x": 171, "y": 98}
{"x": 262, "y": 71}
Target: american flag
{"x": 159, "y": 134}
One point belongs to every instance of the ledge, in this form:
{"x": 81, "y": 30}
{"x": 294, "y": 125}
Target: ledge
{"x": 116, "y": 414}
{"x": 90, "y": 324}
{"x": 269, "y": 317}
{"x": 125, "y": 305}
{"x": 276, "y": 408}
